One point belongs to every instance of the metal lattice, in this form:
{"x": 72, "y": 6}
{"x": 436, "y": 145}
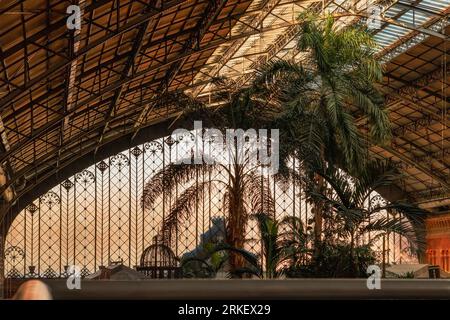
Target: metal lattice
{"x": 95, "y": 217}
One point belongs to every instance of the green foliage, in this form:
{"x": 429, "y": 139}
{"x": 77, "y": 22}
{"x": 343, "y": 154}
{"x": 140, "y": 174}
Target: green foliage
{"x": 313, "y": 102}
{"x": 345, "y": 203}
{"x": 336, "y": 260}
{"x": 320, "y": 94}
{"x": 280, "y": 249}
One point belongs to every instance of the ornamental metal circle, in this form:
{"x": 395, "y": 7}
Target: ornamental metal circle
{"x": 153, "y": 147}
{"x": 50, "y": 199}
{"x": 120, "y": 160}
{"x": 14, "y": 255}
{"x": 85, "y": 177}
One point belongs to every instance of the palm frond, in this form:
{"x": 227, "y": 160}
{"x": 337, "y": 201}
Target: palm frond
{"x": 170, "y": 176}
{"x": 398, "y": 226}
{"x": 375, "y": 175}
{"x": 184, "y": 206}
{"x": 251, "y": 258}
{"x": 258, "y": 192}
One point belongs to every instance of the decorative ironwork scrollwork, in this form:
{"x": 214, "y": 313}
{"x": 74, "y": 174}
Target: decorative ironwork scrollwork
{"x": 50, "y": 199}
{"x": 377, "y": 201}
{"x": 136, "y": 151}
{"x": 13, "y": 273}
{"x": 85, "y": 177}
{"x": 67, "y": 184}
{"x": 31, "y": 272}
{"x": 49, "y": 273}
{"x": 32, "y": 208}
{"x": 102, "y": 166}
{"x": 186, "y": 137}
{"x": 153, "y": 147}
{"x": 84, "y": 272}
{"x": 14, "y": 255}
{"x": 170, "y": 141}
{"x": 120, "y": 160}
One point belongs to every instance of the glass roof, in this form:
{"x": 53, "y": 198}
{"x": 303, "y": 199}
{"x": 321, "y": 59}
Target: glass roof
{"x": 397, "y": 33}
{"x": 413, "y": 14}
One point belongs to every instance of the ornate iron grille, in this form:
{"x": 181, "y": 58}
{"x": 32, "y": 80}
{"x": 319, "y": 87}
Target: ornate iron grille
{"x": 95, "y": 217}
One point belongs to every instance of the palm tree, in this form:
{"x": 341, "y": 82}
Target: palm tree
{"x": 245, "y": 190}
{"x": 320, "y": 94}
{"x": 283, "y": 244}
{"x": 351, "y": 217}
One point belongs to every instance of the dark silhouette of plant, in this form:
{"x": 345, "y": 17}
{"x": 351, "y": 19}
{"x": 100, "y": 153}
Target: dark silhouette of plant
{"x": 245, "y": 191}
{"x": 283, "y": 244}
{"x": 349, "y": 217}
{"x": 321, "y": 93}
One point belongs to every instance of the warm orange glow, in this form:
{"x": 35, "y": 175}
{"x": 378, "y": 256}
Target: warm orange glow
{"x": 438, "y": 241}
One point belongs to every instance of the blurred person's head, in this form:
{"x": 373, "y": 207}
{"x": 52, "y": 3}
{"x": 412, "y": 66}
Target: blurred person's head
{"x": 33, "y": 290}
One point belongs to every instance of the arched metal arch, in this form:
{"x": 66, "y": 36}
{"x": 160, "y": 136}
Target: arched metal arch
{"x": 78, "y": 164}
{"x": 76, "y": 222}
{"x": 111, "y": 148}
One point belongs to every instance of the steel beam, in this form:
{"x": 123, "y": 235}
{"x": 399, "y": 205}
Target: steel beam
{"x": 403, "y": 157}
{"x": 415, "y": 146}
{"x": 191, "y": 45}
{"x": 418, "y": 87}
{"x": 49, "y": 126}
{"x": 74, "y": 44}
{"x": 127, "y": 71}
{"x": 404, "y": 94}
{"x": 9, "y": 99}
{"x": 414, "y": 126}
{"x": 256, "y": 23}
{"x": 436, "y": 25}
{"x": 433, "y": 156}
{"x": 430, "y": 194}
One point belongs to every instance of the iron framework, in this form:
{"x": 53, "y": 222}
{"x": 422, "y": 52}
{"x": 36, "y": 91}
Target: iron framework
{"x": 95, "y": 218}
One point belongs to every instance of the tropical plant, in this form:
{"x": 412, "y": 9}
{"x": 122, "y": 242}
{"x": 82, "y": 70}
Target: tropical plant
{"x": 245, "y": 191}
{"x": 407, "y": 275}
{"x": 321, "y": 93}
{"x": 312, "y": 101}
{"x": 351, "y": 217}
{"x": 335, "y": 261}
{"x": 335, "y": 79}
{"x": 283, "y": 246}
{"x": 216, "y": 260}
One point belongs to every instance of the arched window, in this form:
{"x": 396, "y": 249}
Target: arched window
{"x": 96, "y": 216}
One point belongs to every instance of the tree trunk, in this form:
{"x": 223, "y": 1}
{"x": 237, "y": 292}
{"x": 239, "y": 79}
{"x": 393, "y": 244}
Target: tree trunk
{"x": 318, "y": 209}
{"x": 235, "y": 237}
{"x": 352, "y": 256}
{"x": 318, "y": 218}
{"x": 237, "y": 219}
